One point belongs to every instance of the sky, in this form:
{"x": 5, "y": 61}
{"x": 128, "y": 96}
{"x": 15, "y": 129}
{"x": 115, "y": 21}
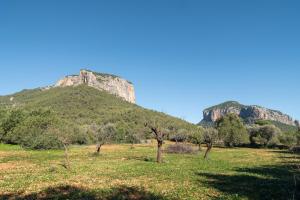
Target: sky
{"x": 182, "y": 56}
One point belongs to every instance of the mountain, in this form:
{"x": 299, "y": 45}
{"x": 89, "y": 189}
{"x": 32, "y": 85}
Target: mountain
{"x": 100, "y": 81}
{"x": 82, "y": 101}
{"x": 249, "y": 114}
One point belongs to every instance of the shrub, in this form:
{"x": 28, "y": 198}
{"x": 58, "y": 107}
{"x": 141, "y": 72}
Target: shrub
{"x": 288, "y": 139}
{"x": 180, "y": 149}
{"x": 266, "y": 135}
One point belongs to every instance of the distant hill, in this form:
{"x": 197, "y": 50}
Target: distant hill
{"x": 249, "y": 114}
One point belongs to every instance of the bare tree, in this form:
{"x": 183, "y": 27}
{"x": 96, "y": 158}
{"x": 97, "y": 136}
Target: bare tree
{"x": 209, "y": 137}
{"x": 67, "y": 159}
{"x": 65, "y": 141}
{"x": 159, "y": 136}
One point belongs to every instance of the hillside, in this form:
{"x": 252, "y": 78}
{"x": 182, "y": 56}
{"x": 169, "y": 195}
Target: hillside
{"x": 83, "y": 106}
{"x": 249, "y": 114}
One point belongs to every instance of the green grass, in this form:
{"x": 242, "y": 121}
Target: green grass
{"x": 124, "y": 173}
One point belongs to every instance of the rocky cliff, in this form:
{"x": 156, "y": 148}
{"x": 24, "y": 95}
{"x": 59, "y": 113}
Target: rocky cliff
{"x": 248, "y": 113}
{"x": 104, "y": 82}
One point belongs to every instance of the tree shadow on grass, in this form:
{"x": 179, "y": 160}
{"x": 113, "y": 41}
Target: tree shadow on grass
{"x": 76, "y": 193}
{"x": 141, "y": 158}
{"x": 267, "y": 182}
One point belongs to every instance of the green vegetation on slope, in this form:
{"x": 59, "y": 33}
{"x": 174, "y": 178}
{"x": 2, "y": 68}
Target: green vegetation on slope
{"x": 78, "y": 108}
{"x": 226, "y": 104}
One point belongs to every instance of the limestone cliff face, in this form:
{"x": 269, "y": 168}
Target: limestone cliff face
{"x": 248, "y": 113}
{"x": 110, "y": 83}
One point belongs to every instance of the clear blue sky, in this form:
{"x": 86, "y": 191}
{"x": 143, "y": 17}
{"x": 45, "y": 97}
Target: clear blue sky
{"x": 182, "y": 56}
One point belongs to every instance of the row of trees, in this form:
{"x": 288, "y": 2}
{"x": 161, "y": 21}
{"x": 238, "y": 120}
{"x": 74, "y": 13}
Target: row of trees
{"x": 232, "y": 132}
{"x": 41, "y": 129}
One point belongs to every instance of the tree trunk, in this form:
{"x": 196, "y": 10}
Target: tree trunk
{"x": 159, "y": 151}
{"x": 67, "y": 161}
{"x": 98, "y": 148}
{"x": 209, "y": 146}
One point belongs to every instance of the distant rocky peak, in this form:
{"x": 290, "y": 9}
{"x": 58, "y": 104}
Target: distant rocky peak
{"x": 248, "y": 113}
{"x": 104, "y": 82}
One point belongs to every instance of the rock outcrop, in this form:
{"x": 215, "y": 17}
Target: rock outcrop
{"x": 248, "y": 113}
{"x": 104, "y": 82}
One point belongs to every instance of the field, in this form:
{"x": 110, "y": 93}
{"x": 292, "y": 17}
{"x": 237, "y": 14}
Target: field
{"x": 122, "y": 172}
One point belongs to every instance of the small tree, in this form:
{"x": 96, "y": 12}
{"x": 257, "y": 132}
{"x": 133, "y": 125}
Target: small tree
{"x": 132, "y": 139}
{"x": 64, "y": 140}
{"x": 196, "y": 136}
{"x": 104, "y": 135}
{"x": 210, "y": 135}
{"x": 159, "y": 135}
{"x": 179, "y": 136}
{"x": 298, "y": 132}
{"x": 232, "y": 130}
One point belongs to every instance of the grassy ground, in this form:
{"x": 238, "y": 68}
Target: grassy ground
{"x": 124, "y": 173}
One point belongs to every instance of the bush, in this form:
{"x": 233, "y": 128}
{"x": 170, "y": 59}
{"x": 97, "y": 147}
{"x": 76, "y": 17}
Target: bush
{"x": 180, "y": 149}
{"x": 39, "y": 141}
{"x": 288, "y": 139}
{"x": 266, "y": 135}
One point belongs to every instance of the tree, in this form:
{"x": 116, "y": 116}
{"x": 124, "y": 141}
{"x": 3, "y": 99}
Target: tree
{"x": 159, "y": 135}
{"x": 298, "y": 132}
{"x": 104, "y": 134}
{"x": 266, "y": 135}
{"x": 196, "y": 136}
{"x": 210, "y": 135}
{"x": 179, "y": 136}
{"x": 14, "y": 118}
{"x": 132, "y": 138}
{"x": 3, "y": 115}
{"x": 232, "y": 130}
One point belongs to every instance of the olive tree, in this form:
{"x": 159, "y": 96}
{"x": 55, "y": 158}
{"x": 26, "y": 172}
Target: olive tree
{"x": 179, "y": 136}
{"x": 266, "y": 135}
{"x": 159, "y": 135}
{"x": 196, "y": 136}
{"x": 232, "y": 130}
{"x": 104, "y": 134}
{"x": 210, "y": 135}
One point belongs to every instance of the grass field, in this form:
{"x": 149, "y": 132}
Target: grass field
{"x": 121, "y": 172}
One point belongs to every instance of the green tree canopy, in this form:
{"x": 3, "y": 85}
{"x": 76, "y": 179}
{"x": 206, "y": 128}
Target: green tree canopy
{"x": 232, "y": 130}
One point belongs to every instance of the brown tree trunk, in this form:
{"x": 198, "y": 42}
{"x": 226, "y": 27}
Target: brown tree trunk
{"x": 159, "y": 151}
{"x": 98, "y": 148}
{"x": 209, "y": 146}
{"x": 67, "y": 161}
